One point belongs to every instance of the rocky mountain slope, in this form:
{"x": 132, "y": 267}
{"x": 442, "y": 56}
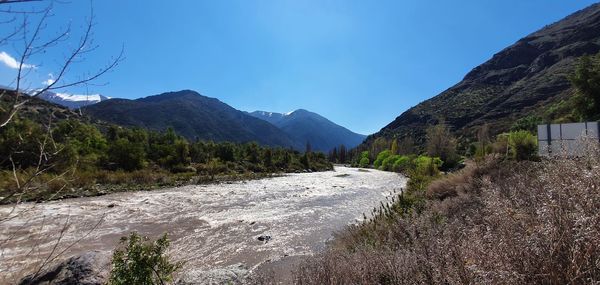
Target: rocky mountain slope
{"x": 322, "y": 134}
{"x": 191, "y": 115}
{"x": 524, "y": 78}
{"x": 38, "y": 110}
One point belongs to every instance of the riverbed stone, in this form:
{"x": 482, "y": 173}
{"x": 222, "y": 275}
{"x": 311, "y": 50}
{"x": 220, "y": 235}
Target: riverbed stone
{"x": 265, "y": 238}
{"x": 85, "y": 269}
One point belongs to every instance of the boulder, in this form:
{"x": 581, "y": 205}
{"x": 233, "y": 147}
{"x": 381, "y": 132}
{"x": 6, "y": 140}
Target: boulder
{"x": 86, "y": 269}
{"x": 264, "y": 238}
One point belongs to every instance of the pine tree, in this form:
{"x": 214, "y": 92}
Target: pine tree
{"x": 343, "y": 155}
{"x": 333, "y": 155}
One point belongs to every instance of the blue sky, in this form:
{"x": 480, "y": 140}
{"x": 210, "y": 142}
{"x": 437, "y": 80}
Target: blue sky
{"x": 358, "y": 63}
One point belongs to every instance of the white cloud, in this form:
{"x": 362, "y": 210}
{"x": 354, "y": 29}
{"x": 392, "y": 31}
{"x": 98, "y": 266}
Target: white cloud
{"x": 49, "y": 80}
{"x": 11, "y": 62}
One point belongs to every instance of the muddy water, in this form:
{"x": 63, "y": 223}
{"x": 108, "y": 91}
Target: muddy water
{"x": 211, "y": 226}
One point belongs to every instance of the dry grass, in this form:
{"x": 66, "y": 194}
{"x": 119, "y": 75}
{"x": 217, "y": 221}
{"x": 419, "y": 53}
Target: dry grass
{"x": 498, "y": 223}
{"x": 453, "y": 184}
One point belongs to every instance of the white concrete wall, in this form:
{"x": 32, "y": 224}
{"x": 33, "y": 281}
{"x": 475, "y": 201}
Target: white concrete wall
{"x": 565, "y": 139}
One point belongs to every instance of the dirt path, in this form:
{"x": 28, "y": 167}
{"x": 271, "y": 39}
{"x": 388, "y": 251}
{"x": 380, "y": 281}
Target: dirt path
{"x": 212, "y": 227}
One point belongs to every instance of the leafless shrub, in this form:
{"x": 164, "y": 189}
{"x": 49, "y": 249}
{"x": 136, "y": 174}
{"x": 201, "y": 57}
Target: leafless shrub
{"x": 505, "y": 223}
{"x": 454, "y": 183}
{"x": 27, "y": 32}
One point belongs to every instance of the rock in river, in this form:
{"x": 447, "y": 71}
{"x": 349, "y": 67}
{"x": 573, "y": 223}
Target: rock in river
{"x": 85, "y": 269}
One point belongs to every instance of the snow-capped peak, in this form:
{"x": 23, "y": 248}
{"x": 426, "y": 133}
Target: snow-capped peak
{"x": 82, "y": 97}
{"x": 73, "y": 101}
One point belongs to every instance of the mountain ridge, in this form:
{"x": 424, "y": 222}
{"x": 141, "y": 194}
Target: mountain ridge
{"x": 520, "y": 80}
{"x": 309, "y": 127}
{"x": 72, "y": 101}
{"x": 191, "y": 115}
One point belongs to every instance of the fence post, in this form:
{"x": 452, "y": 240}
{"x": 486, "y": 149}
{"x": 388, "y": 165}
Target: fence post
{"x": 598, "y": 130}
{"x": 549, "y": 138}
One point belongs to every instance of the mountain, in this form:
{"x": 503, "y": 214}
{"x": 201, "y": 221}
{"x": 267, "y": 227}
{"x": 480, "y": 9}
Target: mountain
{"x": 306, "y": 126}
{"x": 72, "y": 101}
{"x": 271, "y": 117}
{"x": 191, "y": 115}
{"x": 523, "y": 79}
{"x": 38, "y": 110}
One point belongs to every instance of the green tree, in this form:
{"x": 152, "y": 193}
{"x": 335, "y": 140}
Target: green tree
{"x": 142, "y": 262}
{"x": 267, "y": 158}
{"x": 483, "y": 141}
{"x": 441, "y": 143}
{"x": 127, "y": 155}
{"x": 388, "y": 163}
{"x": 199, "y": 152}
{"x": 306, "y": 160}
{"x": 19, "y": 142}
{"x": 308, "y": 147}
{"x": 425, "y": 165}
{"x": 394, "y": 147}
{"x": 343, "y": 154}
{"x": 333, "y": 155}
{"x": 363, "y": 159}
{"x": 402, "y": 164}
{"x": 225, "y": 151}
{"x": 586, "y": 81}
{"x": 406, "y": 146}
{"x": 182, "y": 153}
{"x": 381, "y": 157}
{"x": 252, "y": 152}
{"x": 528, "y": 123}
{"x": 213, "y": 166}
{"x": 364, "y": 162}
{"x": 379, "y": 144}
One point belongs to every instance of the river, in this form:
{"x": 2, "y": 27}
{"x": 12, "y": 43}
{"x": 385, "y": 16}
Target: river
{"x": 214, "y": 228}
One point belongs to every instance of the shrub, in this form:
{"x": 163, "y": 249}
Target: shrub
{"x": 127, "y": 155}
{"x": 501, "y": 146}
{"x": 84, "y": 179}
{"x": 523, "y": 145}
{"x": 441, "y": 143}
{"x": 387, "y": 163}
{"x": 142, "y": 262}
{"x": 380, "y": 157}
{"x": 586, "y": 80}
{"x": 426, "y": 165}
{"x": 364, "y": 162}
{"x": 401, "y": 164}
{"x": 528, "y": 123}
{"x": 452, "y": 185}
{"x": 144, "y": 176}
{"x": 390, "y": 161}
{"x": 482, "y": 151}
{"x": 504, "y": 223}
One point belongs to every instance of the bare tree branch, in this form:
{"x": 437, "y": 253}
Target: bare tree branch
{"x": 16, "y": 1}
{"x": 31, "y": 48}
{"x": 31, "y": 38}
